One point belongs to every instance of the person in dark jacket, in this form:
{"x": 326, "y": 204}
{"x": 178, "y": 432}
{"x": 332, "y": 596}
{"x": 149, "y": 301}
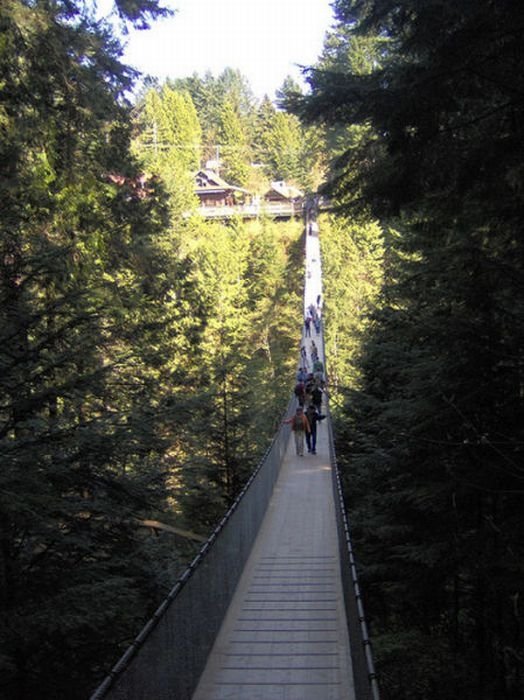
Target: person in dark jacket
{"x": 316, "y": 397}
{"x": 313, "y": 416}
{"x": 307, "y": 326}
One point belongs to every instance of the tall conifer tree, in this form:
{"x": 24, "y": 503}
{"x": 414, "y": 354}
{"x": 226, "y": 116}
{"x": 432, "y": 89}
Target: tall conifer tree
{"x": 435, "y": 152}
{"x": 82, "y": 343}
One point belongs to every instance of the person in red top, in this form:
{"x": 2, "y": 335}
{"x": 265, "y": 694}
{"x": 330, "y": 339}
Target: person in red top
{"x": 300, "y": 426}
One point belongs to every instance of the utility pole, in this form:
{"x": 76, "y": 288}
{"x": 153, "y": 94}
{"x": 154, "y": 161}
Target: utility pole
{"x": 217, "y": 158}
{"x": 155, "y": 138}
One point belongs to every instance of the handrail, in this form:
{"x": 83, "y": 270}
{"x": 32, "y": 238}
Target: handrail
{"x": 242, "y": 538}
{"x": 362, "y": 689}
{"x": 365, "y": 677}
{"x": 251, "y": 210}
{"x": 184, "y": 627}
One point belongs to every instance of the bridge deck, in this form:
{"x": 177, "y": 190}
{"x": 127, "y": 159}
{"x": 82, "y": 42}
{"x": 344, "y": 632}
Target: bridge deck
{"x": 285, "y": 635}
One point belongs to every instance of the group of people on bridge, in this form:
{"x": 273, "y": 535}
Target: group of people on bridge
{"x": 309, "y": 391}
{"x": 312, "y": 318}
{"x": 304, "y": 423}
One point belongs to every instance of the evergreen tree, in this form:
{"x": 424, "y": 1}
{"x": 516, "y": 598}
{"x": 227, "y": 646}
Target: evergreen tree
{"x": 288, "y": 90}
{"x": 242, "y": 377}
{"x": 352, "y": 269}
{"x": 234, "y": 145}
{"x": 185, "y": 133}
{"x": 234, "y": 87}
{"x": 210, "y": 96}
{"x": 284, "y": 148}
{"x": 436, "y": 429}
{"x": 169, "y": 143}
{"x": 85, "y": 263}
{"x": 120, "y": 323}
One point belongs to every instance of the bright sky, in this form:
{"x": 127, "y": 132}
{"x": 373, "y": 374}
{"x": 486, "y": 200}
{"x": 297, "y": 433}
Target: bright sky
{"x": 264, "y": 39}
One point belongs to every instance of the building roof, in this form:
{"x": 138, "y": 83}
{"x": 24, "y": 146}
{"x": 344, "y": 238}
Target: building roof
{"x": 285, "y": 190}
{"x": 209, "y": 181}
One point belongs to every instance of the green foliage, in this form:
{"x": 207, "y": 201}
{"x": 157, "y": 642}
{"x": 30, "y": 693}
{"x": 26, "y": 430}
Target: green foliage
{"x": 242, "y": 377}
{"x": 433, "y": 444}
{"x": 432, "y": 438}
{"x": 352, "y": 267}
{"x": 236, "y": 130}
{"x": 233, "y": 144}
{"x": 210, "y": 95}
{"x": 169, "y": 143}
{"x": 109, "y": 381}
{"x": 284, "y": 148}
{"x": 81, "y": 279}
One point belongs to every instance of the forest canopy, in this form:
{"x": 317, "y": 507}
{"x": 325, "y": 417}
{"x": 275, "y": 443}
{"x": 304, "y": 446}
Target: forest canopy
{"x": 423, "y": 103}
{"x": 145, "y": 355}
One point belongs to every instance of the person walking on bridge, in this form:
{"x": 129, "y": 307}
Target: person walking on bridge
{"x": 312, "y": 416}
{"x": 307, "y": 326}
{"x": 300, "y": 427}
{"x": 301, "y": 375}
{"x": 316, "y": 397}
{"x": 300, "y": 392}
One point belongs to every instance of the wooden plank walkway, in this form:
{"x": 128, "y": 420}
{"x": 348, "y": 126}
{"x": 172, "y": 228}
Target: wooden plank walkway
{"x": 285, "y": 635}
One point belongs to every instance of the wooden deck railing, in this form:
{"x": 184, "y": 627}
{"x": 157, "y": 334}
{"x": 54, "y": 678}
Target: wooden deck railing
{"x": 252, "y": 210}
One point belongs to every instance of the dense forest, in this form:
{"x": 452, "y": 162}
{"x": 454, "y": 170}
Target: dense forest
{"x": 423, "y": 102}
{"x": 185, "y": 123}
{"x": 146, "y": 354}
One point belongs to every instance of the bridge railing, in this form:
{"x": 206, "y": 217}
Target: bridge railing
{"x": 168, "y": 656}
{"x": 364, "y": 676}
{"x": 366, "y": 686}
{"x": 276, "y": 209}
{"x": 365, "y": 682}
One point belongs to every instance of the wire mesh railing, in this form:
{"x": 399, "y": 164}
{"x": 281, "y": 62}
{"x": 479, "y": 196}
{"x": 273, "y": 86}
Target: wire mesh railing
{"x": 364, "y": 675}
{"x": 366, "y": 685}
{"x": 168, "y": 656}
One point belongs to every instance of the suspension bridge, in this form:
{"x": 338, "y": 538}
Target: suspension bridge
{"x": 270, "y": 608}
